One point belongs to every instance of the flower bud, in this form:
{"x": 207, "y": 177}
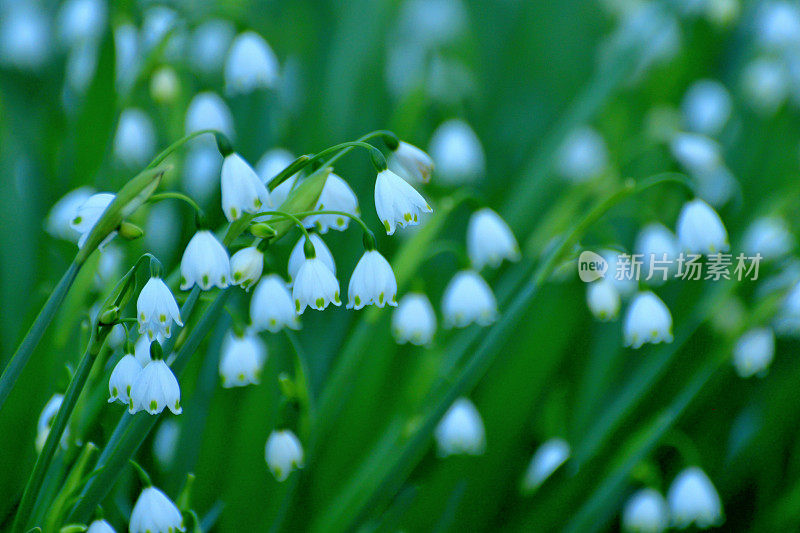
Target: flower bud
{"x": 753, "y": 352}
{"x": 283, "y": 453}
{"x": 692, "y": 498}
{"x": 461, "y": 430}
{"x": 647, "y": 320}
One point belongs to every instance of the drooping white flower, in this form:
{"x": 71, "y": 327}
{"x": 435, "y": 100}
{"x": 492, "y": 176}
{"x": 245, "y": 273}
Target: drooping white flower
{"x": 251, "y": 64}
{"x": 156, "y": 388}
{"x": 648, "y": 320}
{"x": 765, "y": 84}
{"x": 141, "y": 350}
{"x": 89, "y": 212}
{"x": 297, "y": 256}
{"x": 753, "y": 352}
{"x": 24, "y": 36}
{"x": 123, "y": 377}
{"x": 208, "y": 111}
{"x": 156, "y": 308}
{"x": 242, "y": 191}
{"x": 692, "y": 498}
{"x": 582, "y": 155}
{"x": 548, "y": 457}
{"x": 283, "y": 453}
{"x": 135, "y": 139}
{"x": 154, "y": 512}
{"x": 467, "y": 299}
{"x": 271, "y": 307}
{"x": 659, "y": 249}
{"x": 164, "y": 85}
{"x": 205, "y": 262}
{"x": 777, "y": 25}
{"x": 210, "y": 42}
{"x": 372, "y": 282}
{"x": 490, "y": 240}
{"x": 411, "y": 163}
{"x": 697, "y": 153}
{"x": 460, "y": 431}
{"x": 768, "y": 236}
{"x": 706, "y": 107}
{"x": 336, "y": 195}
{"x": 272, "y": 163}
{"x": 165, "y": 442}
{"x": 46, "y": 419}
{"x": 201, "y": 171}
{"x": 246, "y": 266}
{"x": 315, "y": 286}
{"x": 645, "y": 512}
{"x": 457, "y": 153}
{"x": 397, "y": 203}
{"x": 242, "y": 360}
{"x": 700, "y": 230}
{"x": 100, "y": 526}
{"x": 80, "y": 21}
{"x": 603, "y": 299}
{"x": 59, "y": 219}
{"x": 414, "y": 320}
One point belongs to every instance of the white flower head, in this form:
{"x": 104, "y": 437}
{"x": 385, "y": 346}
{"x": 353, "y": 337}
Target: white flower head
{"x": 777, "y": 25}
{"x": 457, "y": 153}
{"x": 768, "y": 236}
{"x": 582, "y": 155}
{"x": 209, "y": 44}
{"x": 336, "y": 195}
{"x": 697, "y": 153}
{"x": 460, "y": 431}
{"x": 414, "y": 320}
{"x": 89, "y": 212}
{"x": 156, "y": 388}
{"x": 700, "y": 230}
{"x": 205, "y": 262}
{"x": 467, "y": 299}
{"x": 271, "y": 307}
{"x": 546, "y": 460}
{"x": 411, "y": 163}
{"x": 135, "y": 139}
{"x": 246, "y": 266}
{"x": 283, "y": 453}
{"x": 116, "y": 338}
{"x": 100, "y": 526}
{"x": 242, "y": 360}
{"x": 647, "y": 320}
{"x": 59, "y": 219}
{"x": 490, "y": 240}
{"x": 251, "y": 64}
{"x": 156, "y": 308}
{"x": 297, "y": 256}
{"x": 208, "y": 111}
{"x": 372, "y": 282}
{"x": 659, "y": 249}
{"x": 692, "y": 498}
{"x": 242, "y": 191}
{"x": 753, "y": 352}
{"x": 24, "y": 36}
{"x": 123, "y": 377}
{"x": 165, "y": 442}
{"x": 154, "y": 512}
{"x": 397, "y": 203}
{"x": 706, "y": 107}
{"x": 315, "y": 286}
{"x": 46, "y": 419}
{"x": 201, "y": 171}
{"x": 624, "y": 286}
{"x": 765, "y": 83}
{"x": 80, "y": 21}
{"x": 273, "y": 162}
{"x": 164, "y": 85}
{"x": 603, "y": 300}
{"x": 645, "y": 512}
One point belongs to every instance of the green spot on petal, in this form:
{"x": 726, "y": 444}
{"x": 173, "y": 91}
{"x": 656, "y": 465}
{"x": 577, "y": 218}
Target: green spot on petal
{"x": 386, "y": 225}
{"x": 153, "y": 405}
{"x": 205, "y": 279}
{"x": 320, "y": 302}
{"x": 297, "y": 305}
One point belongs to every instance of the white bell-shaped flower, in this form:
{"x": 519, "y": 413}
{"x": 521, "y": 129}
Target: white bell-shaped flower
{"x": 457, "y": 153}
{"x": 270, "y": 165}
{"x": 697, "y": 153}
{"x": 208, "y": 111}
{"x": 89, "y": 212}
{"x": 242, "y": 191}
{"x": 414, "y": 320}
{"x": 100, "y": 526}
{"x": 251, "y": 64}
{"x": 706, "y": 107}
{"x": 546, "y": 460}
{"x": 156, "y": 308}
{"x": 315, "y": 286}
{"x": 297, "y": 256}
{"x": 411, "y": 163}
{"x": 135, "y": 139}
{"x": 647, "y": 320}
{"x": 80, "y": 21}
{"x": 460, "y": 431}
{"x": 490, "y": 240}
{"x": 165, "y": 442}
{"x": 753, "y": 352}
{"x": 156, "y": 388}
{"x": 765, "y": 84}
{"x": 209, "y": 44}
{"x": 154, "y": 512}
{"x": 692, "y": 499}
{"x": 467, "y": 299}
{"x": 123, "y": 378}
{"x": 582, "y": 155}
{"x": 397, "y": 203}
{"x": 242, "y": 360}
{"x": 46, "y": 419}
{"x": 659, "y": 249}
{"x": 645, "y": 511}
{"x": 58, "y": 222}
{"x": 603, "y": 300}
{"x": 24, "y": 35}
{"x": 777, "y": 25}
{"x": 336, "y": 195}
{"x": 768, "y": 236}
{"x": 283, "y": 453}
{"x": 372, "y": 282}
{"x": 271, "y": 307}
{"x": 700, "y": 230}
{"x": 205, "y": 262}
{"x": 246, "y": 266}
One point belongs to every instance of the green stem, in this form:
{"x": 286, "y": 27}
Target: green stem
{"x": 305, "y": 214}
{"x": 288, "y": 216}
{"x": 166, "y": 152}
{"x": 172, "y": 195}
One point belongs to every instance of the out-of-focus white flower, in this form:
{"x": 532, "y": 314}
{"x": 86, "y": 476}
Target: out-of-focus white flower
{"x": 336, "y": 195}
{"x": 89, "y": 212}
{"x": 100, "y": 526}
{"x": 58, "y": 222}
{"x": 777, "y": 25}
{"x": 700, "y": 230}
{"x": 251, "y": 64}
{"x": 397, "y": 203}
{"x": 457, "y": 152}
{"x": 270, "y": 165}
{"x": 117, "y": 337}
{"x": 460, "y": 431}
{"x": 297, "y": 256}
{"x": 315, "y": 286}
{"x": 603, "y": 299}
{"x": 165, "y": 442}
{"x": 164, "y": 85}
{"x": 246, "y": 266}
{"x": 787, "y": 320}
{"x": 205, "y": 262}
{"x": 659, "y": 249}
{"x": 490, "y": 239}
{"x": 372, "y": 282}
{"x": 283, "y": 453}
{"x": 467, "y": 299}
{"x": 24, "y": 36}
{"x": 647, "y": 320}
{"x": 155, "y": 389}
{"x": 582, "y": 155}
{"x": 414, "y": 320}
{"x": 411, "y": 163}
{"x": 242, "y": 360}
{"x": 692, "y": 498}
{"x": 157, "y": 22}
{"x": 753, "y": 352}
{"x": 432, "y": 22}
{"x": 768, "y": 236}
{"x": 722, "y": 13}
{"x": 122, "y": 379}
{"x": 548, "y": 457}
{"x": 242, "y": 191}
{"x": 765, "y": 83}
{"x": 154, "y": 512}
{"x": 209, "y": 44}
{"x": 80, "y": 21}
{"x": 135, "y": 140}
{"x": 645, "y": 512}
{"x": 706, "y": 107}
{"x": 126, "y": 47}
{"x": 208, "y": 111}
{"x": 156, "y": 308}
{"x": 697, "y": 153}
{"x": 141, "y": 350}
{"x": 271, "y": 307}
{"x": 46, "y": 419}
{"x": 201, "y": 171}
{"x": 624, "y": 285}
{"x": 162, "y": 230}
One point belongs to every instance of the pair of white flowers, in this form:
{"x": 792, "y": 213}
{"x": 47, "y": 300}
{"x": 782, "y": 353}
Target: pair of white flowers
{"x": 144, "y": 384}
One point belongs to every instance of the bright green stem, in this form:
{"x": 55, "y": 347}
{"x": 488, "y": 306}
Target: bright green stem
{"x": 351, "y": 216}
{"x": 171, "y": 195}
{"x": 293, "y": 218}
{"x": 166, "y": 152}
